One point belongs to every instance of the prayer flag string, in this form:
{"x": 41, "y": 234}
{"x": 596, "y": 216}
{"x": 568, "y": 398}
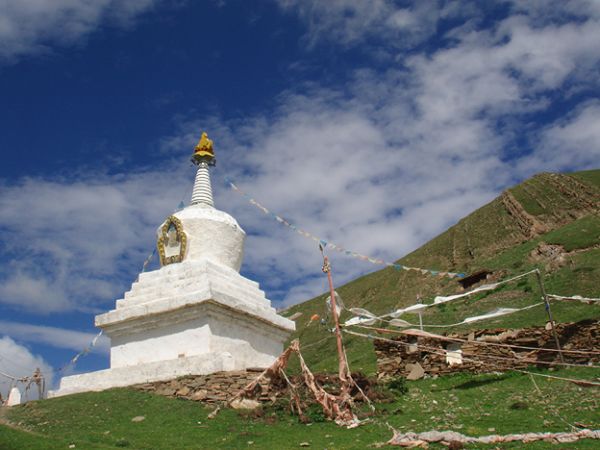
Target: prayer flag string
{"x": 364, "y": 317}
{"x": 334, "y": 246}
{"x": 83, "y": 352}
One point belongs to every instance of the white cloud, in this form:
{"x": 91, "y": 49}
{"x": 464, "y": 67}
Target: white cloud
{"x": 71, "y": 244}
{"x": 35, "y": 26}
{"x": 348, "y": 22}
{"x": 506, "y": 71}
{"x": 561, "y": 10}
{"x": 573, "y": 142}
{"x": 398, "y": 156}
{"x": 17, "y": 361}
{"x": 53, "y": 336}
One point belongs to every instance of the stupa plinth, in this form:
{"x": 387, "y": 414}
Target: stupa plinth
{"x": 196, "y": 314}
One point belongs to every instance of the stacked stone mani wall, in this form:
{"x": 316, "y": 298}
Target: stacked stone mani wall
{"x": 214, "y": 388}
{"x": 415, "y": 357}
{"x": 221, "y": 387}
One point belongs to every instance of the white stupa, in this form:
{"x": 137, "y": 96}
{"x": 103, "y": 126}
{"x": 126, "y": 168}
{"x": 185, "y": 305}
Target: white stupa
{"x": 194, "y": 315}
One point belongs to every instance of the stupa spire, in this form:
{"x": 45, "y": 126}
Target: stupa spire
{"x": 203, "y": 157}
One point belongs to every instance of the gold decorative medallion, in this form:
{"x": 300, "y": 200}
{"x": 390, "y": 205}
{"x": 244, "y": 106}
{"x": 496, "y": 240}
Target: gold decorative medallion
{"x": 172, "y": 242}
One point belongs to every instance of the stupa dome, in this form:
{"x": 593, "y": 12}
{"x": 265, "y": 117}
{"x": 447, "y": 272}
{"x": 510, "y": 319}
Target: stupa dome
{"x": 211, "y": 234}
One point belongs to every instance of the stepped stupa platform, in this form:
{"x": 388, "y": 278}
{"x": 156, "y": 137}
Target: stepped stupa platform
{"x": 195, "y": 315}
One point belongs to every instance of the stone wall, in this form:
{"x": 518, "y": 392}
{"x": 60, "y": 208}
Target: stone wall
{"x": 213, "y": 388}
{"x": 223, "y": 386}
{"x": 437, "y": 357}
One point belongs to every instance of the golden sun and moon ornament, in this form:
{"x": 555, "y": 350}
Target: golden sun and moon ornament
{"x": 172, "y": 241}
{"x": 204, "y": 152}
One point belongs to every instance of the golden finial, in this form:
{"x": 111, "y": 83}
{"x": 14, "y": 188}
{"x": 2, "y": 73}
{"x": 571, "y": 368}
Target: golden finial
{"x": 204, "y": 151}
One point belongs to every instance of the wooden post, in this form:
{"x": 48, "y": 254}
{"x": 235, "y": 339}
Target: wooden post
{"x": 343, "y": 371}
{"x": 549, "y": 312}
{"x": 419, "y": 301}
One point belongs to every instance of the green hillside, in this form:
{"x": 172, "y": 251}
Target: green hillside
{"x": 508, "y": 236}
{"x": 502, "y": 236}
{"x": 474, "y": 405}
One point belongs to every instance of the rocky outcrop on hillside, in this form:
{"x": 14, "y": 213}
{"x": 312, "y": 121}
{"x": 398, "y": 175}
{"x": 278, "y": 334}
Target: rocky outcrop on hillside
{"x": 552, "y": 256}
{"x": 584, "y": 198}
{"x": 528, "y": 225}
{"x": 561, "y": 198}
{"x": 543, "y": 203}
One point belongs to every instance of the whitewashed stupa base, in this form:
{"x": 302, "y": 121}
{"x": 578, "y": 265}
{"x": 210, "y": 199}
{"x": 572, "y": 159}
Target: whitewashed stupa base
{"x": 191, "y": 318}
{"x": 144, "y": 373}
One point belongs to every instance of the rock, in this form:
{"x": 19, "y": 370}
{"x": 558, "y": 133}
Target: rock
{"x": 183, "y": 391}
{"x": 304, "y": 444}
{"x": 244, "y": 403}
{"x": 213, "y": 414}
{"x": 416, "y": 372}
{"x": 166, "y": 391}
{"x": 138, "y": 419}
{"x": 553, "y": 256}
{"x": 199, "y": 395}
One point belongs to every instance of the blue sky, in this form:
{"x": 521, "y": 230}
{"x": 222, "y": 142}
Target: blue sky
{"x": 375, "y": 125}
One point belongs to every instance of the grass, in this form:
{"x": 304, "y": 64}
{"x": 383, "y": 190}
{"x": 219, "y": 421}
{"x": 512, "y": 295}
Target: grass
{"x": 582, "y": 233}
{"x": 527, "y": 200}
{"x": 591, "y": 177}
{"x": 509, "y": 403}
{"x": 475, "y": 405}
{"x": 17, "y": 439}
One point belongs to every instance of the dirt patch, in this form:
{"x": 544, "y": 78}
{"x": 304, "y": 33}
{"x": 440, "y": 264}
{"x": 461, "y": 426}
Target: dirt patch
{"x": 551, "y": 255}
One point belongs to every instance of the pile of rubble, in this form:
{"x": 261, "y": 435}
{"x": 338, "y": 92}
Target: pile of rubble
{"x": 413, "y": 356}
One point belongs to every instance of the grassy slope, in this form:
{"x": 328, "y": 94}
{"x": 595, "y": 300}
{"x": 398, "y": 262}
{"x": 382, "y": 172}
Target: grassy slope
{"x": 591, "y": 177}
{"x": 471, "y": 405}
{"x": 488, "y": 238}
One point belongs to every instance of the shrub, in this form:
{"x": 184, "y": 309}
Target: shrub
{"x": 398, "y": 386}
{"x": 314, "y": 413}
